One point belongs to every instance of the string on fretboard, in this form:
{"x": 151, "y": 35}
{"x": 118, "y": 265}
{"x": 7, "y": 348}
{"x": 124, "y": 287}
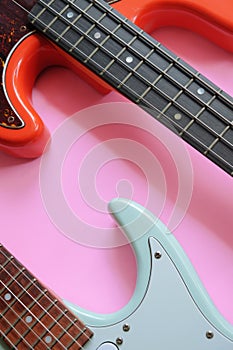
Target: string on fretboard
{"x": 31, "y": 317}
{"x": 144, "y": 71}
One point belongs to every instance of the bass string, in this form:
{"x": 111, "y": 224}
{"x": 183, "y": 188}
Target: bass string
{"x": 144, "y": 58}
{"x": 173, "y": 123}
{"x": 21, "y": 6}
{"x": 44, "y": 294}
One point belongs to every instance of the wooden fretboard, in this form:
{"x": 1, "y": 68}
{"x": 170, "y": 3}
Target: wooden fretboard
{"x": 144, "y": 71}
{"x": 30, "y": 316}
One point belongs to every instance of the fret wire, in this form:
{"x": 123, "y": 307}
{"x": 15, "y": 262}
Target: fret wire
{"x": 76, "y": 339}
{"x": 203, "y": 124}
{"x": 173, "y": 101}
{"x": 8, "y": 341}
{"x": 67, "y": 28}
{"x": 183, "y": 87}
{"x": 7, "y": 338}
{"x": 63, "y": 313}
{"x": 198, "y": 121}
{"x": 19, "y": 296}
{"x": 12, "y": 326}
{"x": 139, "y": 32}
{"x": 75, "y": 45}
{"x": 16, "y": 276}
{"x": 72, "y": 323}
{"x": 32, "y": 283}
{"x": 41, "y": 12}
{"x": 165, "y": 53}
{"x": 35, "y": 301}
{"x": 220, "y": 137}
{"x": 172, "y": 121}
{"x": 44, "y": 313}
{"x": 150, "y": 41}
{"x": 197, "y": 75}
{"x": 55, "y": 18}
{"x": 72, "y": 25}
{"x": 8, "y": 259}
{"x": 100, "y": 46}
{"x": 211, "y": 146}
{"x": 22, "y": 337}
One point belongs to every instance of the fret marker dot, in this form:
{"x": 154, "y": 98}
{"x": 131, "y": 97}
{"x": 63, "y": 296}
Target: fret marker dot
{"x": 70, "y": 14}
{"x": 48, "y": 339}
{"x": 129, "y": 59}
{"x": 200, "y": 91}
{"x": 7, "y": 296}
{"x": 178, "y": 116}
{"x": 28, "y": 319}
{"x": 97, "y": 35}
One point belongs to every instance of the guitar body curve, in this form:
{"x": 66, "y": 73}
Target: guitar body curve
{"x": 169, "y": 306}
{"x": 26, "y": 54}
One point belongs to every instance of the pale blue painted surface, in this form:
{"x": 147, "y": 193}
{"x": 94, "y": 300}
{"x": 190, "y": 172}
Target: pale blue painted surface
{"x": 169, "y": 303}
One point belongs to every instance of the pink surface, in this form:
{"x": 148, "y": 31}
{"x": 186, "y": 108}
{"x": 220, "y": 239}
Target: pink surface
{"x": 104, "y": 161}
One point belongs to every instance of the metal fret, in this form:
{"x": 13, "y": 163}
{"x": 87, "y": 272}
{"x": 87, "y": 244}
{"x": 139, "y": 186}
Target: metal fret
{"x": 16, "y": 329}
{"x": 34, "y": 313}
{"x": 144, "y": 71}
{"x": 14, "y": 337}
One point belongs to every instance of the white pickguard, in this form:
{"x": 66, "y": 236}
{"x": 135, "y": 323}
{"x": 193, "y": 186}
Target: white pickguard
{"x": 170, "y": 309}
{"x": 167, "y": 318}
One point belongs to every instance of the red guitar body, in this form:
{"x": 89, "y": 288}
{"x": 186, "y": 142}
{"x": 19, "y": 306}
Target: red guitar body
{"x": 25, "y": 54}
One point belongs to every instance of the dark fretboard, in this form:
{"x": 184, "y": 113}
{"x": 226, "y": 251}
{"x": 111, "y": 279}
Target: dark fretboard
{"x": 144, "y": 71}
{"x": 31, "y": 317}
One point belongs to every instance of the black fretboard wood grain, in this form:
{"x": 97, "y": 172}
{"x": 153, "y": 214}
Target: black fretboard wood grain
{"x": 144, "y": 71}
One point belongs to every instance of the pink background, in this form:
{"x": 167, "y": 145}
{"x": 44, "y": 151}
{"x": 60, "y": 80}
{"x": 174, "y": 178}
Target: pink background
{"x": 103, "y": 280}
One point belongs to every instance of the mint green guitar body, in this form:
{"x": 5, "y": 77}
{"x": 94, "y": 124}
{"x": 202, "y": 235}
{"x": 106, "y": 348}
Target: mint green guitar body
{"x": 170, "y": 309}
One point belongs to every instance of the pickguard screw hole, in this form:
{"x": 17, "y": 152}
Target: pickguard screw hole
{"x": 10, "y": 119}
{"x": 23, "y": 28}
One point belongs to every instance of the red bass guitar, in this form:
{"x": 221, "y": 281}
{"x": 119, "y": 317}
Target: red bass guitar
{"x": 105, "y": 43}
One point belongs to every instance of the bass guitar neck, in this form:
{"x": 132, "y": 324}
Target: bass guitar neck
{"x": 97, "y": 37}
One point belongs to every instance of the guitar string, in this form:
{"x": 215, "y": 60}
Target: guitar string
{"x": 208, "y": 149}
{"x": 42, "y": 294}
{"x": 153, "y": 45}
{"x": 143, "y": 59}
{"x": 10, "y": 343}
{"x": 38, "y": 303}
{"x": 6, "y": 337}
{"x": 174, "y": 124}
{"x": 162, "y": 72}
{"x": 39, "y": 338}
{"x": 21, "y": 337}
{"x": 39, "y": 288}
{"x": 20, "y": 319}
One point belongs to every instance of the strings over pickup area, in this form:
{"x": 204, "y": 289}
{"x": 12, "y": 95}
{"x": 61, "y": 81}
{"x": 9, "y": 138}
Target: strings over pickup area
{"x": 144, "y": 71}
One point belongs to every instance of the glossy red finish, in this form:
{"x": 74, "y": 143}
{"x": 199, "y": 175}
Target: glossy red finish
{"x": 210, "y": 19}
{"x": 28, "y": 60}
